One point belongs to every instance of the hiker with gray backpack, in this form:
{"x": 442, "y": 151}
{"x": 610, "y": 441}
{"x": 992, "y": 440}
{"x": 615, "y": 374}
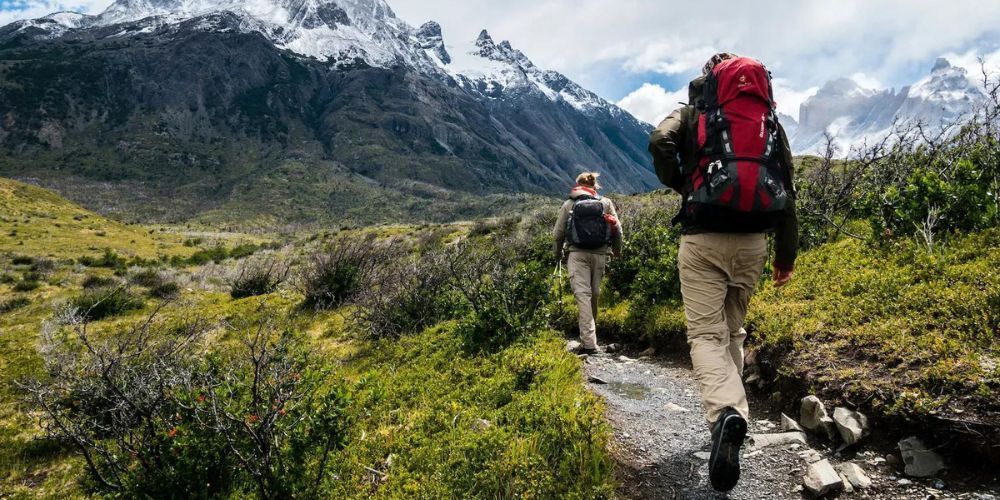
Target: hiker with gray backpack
{"x": 728, "y": 157}
{"x": 587, "y": 234}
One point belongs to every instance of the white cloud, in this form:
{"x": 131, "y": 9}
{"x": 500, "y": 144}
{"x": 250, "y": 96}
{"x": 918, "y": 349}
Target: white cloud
{"x": 652, "y": 103}
{"x": 866, "y": 81}
{"x": 788, "y": 98}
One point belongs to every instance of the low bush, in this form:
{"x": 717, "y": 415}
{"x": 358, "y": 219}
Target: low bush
{"x": 99, "y": 303}
{"x": 22, "y": 260}
{"x": 27, "y": 285}
{"x": 409, "y": 295}
{"x": 13, "y": 304}
{"x": 109, "y": 259}
{"x": 154, "y": 415}
{"x": 258, "y": 277}
{"x": 508, "y": 296}
{"x": 647, "y": 269}
{"x": 339, "y": 273}
{"x": 96, "y": 281}
{"x": 166, "y": 290}
{"x": 149, "y": 278}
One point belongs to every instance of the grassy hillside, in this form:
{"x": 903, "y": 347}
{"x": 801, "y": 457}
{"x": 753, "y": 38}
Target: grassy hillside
{"x": 429, "y": 413}
{"x": 38, "y": 222}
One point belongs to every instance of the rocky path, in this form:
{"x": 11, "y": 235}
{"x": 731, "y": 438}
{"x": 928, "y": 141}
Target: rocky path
{"x": 661, "y": 442}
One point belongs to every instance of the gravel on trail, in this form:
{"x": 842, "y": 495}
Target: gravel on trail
{"x": 661, "y": 442}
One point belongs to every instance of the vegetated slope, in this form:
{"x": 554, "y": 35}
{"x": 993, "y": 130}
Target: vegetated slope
{"x": 461, "y": 409}
{"x": 38, "y": 222}
{"x": 166, "y": 114}
{"x": 901, "y": 331}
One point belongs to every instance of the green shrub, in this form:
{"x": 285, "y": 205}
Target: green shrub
{"x": 155, "y": 416}
{"x": 22, "y": 260}
{"x": 165, "y": 290}
{"x": 647, "y": 269}
{"x": 13, "y": 304}
{"x": 27, "y": 285}
{"x": 109, "y": 259}
{"x": 8, "y": 279}
{"x": 96, "y": 281}
{"x": 338, "y": 274}
{"x": 409, "y": 295}
{"x": 149, "y": 278}
{"x": 259, "y": 277}
{"x": 100, "y": 303}
{"x": 507, "y": 296}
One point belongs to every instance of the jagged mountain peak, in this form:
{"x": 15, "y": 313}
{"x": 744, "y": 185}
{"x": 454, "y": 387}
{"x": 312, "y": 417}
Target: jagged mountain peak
{"x": 941, "y": 64}
{"x": 430, "y": 38}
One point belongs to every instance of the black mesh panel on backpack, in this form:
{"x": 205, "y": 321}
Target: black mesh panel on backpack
{"x": 587, "y": 227}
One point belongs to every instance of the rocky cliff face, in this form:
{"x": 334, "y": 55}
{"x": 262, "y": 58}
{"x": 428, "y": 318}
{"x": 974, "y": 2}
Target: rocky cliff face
{"x": 168, "y": 109}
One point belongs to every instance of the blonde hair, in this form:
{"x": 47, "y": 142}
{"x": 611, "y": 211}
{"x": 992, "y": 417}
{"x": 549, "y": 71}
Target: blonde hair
{"x": 588, "y": 179}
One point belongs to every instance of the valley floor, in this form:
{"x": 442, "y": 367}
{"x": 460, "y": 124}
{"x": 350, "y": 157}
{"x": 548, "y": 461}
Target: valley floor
{"x": 659, "y": 433}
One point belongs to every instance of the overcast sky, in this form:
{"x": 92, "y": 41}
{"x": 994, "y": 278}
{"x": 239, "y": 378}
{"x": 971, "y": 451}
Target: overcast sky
{"x": 641, "y": 53}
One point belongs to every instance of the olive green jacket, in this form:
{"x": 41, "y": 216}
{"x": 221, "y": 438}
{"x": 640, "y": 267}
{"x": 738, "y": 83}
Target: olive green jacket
{"x": 672, "y": 147}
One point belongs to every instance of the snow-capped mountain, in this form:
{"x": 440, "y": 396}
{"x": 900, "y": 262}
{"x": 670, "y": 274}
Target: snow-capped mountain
{"x": 315, "y": 81}
{"x": 853, "y": 114}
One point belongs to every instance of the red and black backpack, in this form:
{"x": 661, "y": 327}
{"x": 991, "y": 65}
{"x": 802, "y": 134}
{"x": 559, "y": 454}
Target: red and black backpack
{"x": 739, "y": 181}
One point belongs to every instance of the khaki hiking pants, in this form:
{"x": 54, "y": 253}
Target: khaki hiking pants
{"x": 585, "y": 273}
{"x": 719, "y": 272}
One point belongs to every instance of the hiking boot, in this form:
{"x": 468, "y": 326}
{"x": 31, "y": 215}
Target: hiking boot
{"x": 585, "y": 351}
{"x": 728, "y": 434}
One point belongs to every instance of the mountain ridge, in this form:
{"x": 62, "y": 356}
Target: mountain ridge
{"x": 189, "y": 111}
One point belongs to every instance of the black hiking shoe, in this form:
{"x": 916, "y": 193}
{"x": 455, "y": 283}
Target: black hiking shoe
{"x": 583, "y": 351}
{"x": 728, "y": 434}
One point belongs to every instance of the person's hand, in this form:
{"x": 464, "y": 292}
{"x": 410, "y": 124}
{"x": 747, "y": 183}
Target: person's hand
{"x": 782, "y": 277}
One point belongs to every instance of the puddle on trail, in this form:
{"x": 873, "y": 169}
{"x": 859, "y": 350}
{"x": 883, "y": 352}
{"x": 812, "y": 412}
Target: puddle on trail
{"x": 630, "y": 390}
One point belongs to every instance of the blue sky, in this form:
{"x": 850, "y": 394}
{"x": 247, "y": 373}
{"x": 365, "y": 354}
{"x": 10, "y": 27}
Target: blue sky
{"x": 641, "y": 53}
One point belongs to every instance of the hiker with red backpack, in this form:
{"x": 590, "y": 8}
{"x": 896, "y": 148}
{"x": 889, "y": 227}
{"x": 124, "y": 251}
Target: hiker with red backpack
{"x": 728, "y": 157}
{"x": 587, "y": 233}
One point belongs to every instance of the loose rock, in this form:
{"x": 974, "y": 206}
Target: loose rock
{"x": 702, "y": 455}
{"x": 765, "y": 440}
{"x": 788, "y": 424}
{"x": 853, "y": 426}
{"x": 573, "y": 345}
{"x": 813, "y": 416}
{"x": 810, "y": 456}
{"x": 676, "y": 408}
{"x": 597, "y": 380}
{"x": 822, "y": 479}
{"x": 855, "y": 475}
{"x": 648, "y": 353}
{"x": 918, "y": 459}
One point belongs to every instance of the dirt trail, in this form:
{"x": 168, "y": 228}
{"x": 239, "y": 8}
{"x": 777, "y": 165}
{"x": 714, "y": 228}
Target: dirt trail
{"x": 661, "y": 442}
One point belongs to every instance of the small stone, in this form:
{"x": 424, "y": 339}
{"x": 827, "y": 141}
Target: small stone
{"x": 813, "y": 416}
{"x": 625, "y": 359}
{"x": 611, "y": 348}
{"x": 788, "y": 424}
{"x": 891, "y": 460}
{"x": 848, "y": 487}
{"x": 648, "y": 353}
{"x": 597, "y": 380}
{"x": 573, "y": 345}
{"x": 765, "y": 440}
{"x": 852, "y": 425}
{"x": 810, "y": 456}
{"x": 904, "y": 482}
{"x": 855, "y": 475}
{"x": 821, "y": 479}
{"x": 676, "y": 408}
{"x": 918, "y": 459}
{"x": 940, "y": 484}
{"x": 702, "y": 455}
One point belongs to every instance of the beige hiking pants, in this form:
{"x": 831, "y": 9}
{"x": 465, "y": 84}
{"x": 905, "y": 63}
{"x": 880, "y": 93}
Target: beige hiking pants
{"x": 585, "y": 272}
{"x": 719, "y": 272}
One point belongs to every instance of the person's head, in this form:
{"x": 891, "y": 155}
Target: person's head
{"x": 588, "y": 179}
{"x": 716, "y": 59}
